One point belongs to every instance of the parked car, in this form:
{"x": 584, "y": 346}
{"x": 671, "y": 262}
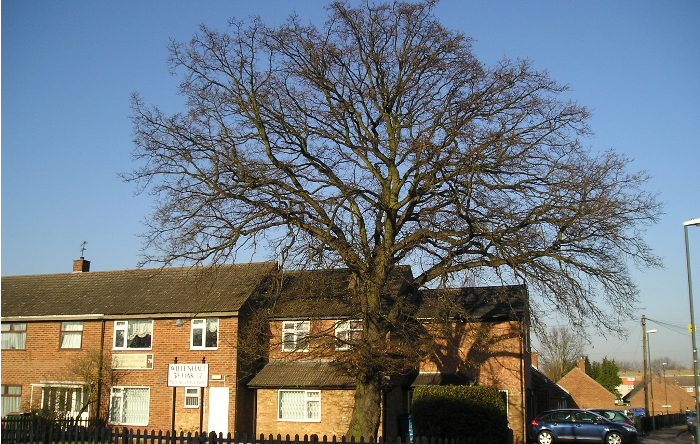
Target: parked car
{"x": 637, "y": 412}
{"x": 692, "y": 423}
{"x": 574, "y": 425}
{"x": 613, "y": 415}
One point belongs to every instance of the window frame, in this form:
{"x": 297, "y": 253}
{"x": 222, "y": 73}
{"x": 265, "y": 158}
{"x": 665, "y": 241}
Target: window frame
{"x": 4, "y": 393}
{"x": 306, "y": 401}
{"x": 195, "y": 395}
{"x": 123, "y": 389}
{"x": 123, "y": 326}
{"x": 196, "y": 324}
{"x": 300, "y": 342}
{"x": 13, "y": 331}
{"x": 65, "y": 333}
{"x": 346, "y": 327}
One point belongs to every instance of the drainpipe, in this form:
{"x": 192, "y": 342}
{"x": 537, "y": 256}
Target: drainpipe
{"x": 99, "y": 370}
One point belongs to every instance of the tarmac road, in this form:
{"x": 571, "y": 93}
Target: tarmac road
{"x": 677, "y": 434}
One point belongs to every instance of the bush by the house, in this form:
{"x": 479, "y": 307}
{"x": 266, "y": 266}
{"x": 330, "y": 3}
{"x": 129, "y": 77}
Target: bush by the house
{"x": 477, "y": 414}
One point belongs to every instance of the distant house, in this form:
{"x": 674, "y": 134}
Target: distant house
{"x": 584, "y": 391}
{"x": 137, "y": 322}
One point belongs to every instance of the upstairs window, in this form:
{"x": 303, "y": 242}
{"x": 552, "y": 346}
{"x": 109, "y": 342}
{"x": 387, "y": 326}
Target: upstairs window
{"x": 14, "y": 336}
{"x": 133, "y": 334}
{"x": 347, "y": 332}
{"x": 295, "y": 336}
{"x": 205, "y": 333}
{"x": 71, "y": 334}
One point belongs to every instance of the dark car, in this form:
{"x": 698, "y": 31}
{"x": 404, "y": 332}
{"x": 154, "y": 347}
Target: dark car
{"x": 613, "y": 415}
{"x": 572, "y": 425}
{"x": 637, "y": 412}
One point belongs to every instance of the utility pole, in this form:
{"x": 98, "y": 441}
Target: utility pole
{"x": 644, "y": 354}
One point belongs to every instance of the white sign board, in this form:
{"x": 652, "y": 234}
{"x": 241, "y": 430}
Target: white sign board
{"x": 188, "y": 375}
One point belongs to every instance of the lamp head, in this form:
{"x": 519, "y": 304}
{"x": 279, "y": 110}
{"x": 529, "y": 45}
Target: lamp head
{"x": 692, "y": 222}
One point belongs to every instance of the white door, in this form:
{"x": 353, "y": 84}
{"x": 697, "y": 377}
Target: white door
{"x": 218, "y": 410}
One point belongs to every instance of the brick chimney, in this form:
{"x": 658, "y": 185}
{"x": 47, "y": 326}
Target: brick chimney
{"x": 582, "y": 364}
{"x": 533, "y": 360}
{"x": 81, "y": 265}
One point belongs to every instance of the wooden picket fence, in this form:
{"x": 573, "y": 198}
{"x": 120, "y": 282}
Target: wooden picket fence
{"x": 53, "y": 434}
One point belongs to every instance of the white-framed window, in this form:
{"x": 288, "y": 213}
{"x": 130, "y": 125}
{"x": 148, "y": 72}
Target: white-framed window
{"x": 504, "y": 396}
{"x": 347, "y": 332}
{"x": 14, "y": 336}
{"x": 204, "y": 333}
{"x": 133, "y": 334}
{"x": 129, "y": 405}
{"x": 66, "y": 401}
{"x": 192, "y": 397}
{"x": 299, "y": 405}
{"x": 11, "y": 400}
{"x": 71, "y": 334}
{"x": 295, "y": 336}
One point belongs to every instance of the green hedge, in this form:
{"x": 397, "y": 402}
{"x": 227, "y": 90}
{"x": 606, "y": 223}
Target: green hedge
{"x": 473, "y": 413}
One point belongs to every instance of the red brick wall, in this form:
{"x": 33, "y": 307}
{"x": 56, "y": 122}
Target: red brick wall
{"x": 42, "y": 361}
{"x": 492, "y": 354}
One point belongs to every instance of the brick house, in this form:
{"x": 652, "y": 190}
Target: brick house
{"x": 660, "y": 392}
{"x": 139, "y": 321}
{"x": 585, "y": 392}
{"x": 55, "y": 327}
{"x": 301, "y": 391}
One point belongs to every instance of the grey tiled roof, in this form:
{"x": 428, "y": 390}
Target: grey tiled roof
{"x": 326, "y": 293}
{"x": 301, "y": 374}
{"x": 508, "y": 302}
{"x": 195, "y": 290}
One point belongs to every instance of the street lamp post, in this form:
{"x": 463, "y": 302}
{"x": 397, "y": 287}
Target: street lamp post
{"x": 651, "y": 378}
{"x": 665, "y": 386}
{"x": 694, "y": 222}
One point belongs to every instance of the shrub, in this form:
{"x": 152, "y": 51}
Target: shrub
{"x": 477, "y": 414}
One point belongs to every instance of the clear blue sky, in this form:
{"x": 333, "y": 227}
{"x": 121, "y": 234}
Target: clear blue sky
{"x": 69, "y": 67}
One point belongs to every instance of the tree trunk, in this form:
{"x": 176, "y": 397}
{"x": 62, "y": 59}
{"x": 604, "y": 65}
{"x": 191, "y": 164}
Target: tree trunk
{"x": 367, "y": 412}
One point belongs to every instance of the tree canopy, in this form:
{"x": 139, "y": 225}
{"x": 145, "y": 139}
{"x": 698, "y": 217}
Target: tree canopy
{"x": 377, "y": 140}
{"x": 559, "y": 351}
{"x": 607, "y": 374}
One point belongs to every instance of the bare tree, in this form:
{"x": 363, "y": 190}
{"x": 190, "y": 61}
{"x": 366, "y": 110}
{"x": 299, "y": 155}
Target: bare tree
{"x": 560, "y": 350}
{"x": 381, "y": 140}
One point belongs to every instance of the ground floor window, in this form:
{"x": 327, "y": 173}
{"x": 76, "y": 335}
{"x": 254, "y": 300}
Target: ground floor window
{"x": 11, "y": 398}
{"x": 299, "y": 405}
{"x": 65, "y": 401}
{"x": 192, "y": 397}
{"x": 129, "y": 405}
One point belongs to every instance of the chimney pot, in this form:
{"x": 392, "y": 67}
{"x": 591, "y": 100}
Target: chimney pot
{"x": 81, "y": 265}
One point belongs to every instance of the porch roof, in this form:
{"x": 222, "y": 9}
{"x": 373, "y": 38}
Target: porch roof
{"x": 301, "y": 374}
